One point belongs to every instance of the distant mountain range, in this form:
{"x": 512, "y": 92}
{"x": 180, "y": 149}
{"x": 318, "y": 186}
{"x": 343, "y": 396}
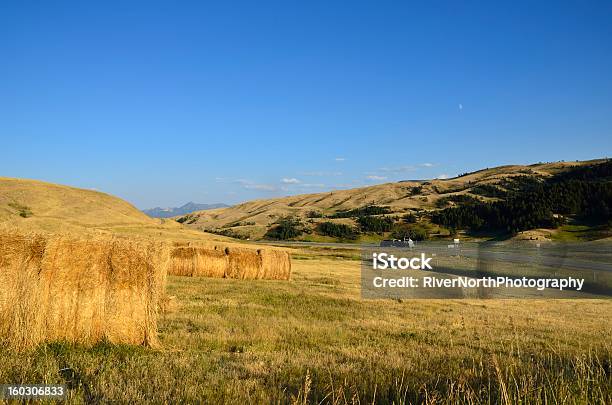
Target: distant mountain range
{"x": 188, "y": 208}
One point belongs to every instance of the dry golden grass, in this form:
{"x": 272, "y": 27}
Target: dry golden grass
{"x": 314, "y": 340}
{"x": 310, "y": 340}
{"x": 36, "y": 206}
{"x": 65, "y": 206}
{"x": 58, "y": 288}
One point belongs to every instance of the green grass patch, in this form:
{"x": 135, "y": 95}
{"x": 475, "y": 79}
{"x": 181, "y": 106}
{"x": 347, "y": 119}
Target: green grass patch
{"x": 22, "y": 210}
{"x": 580, "y": 232}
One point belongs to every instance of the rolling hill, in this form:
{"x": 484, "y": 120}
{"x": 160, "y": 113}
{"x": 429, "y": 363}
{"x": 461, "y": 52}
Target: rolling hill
{"x": 33, "y": 205}
{"x": 254, "y": 218}
{"x": 36, "y": 201}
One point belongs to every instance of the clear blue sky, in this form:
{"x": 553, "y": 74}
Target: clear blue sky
{"x": 165, "y": 102}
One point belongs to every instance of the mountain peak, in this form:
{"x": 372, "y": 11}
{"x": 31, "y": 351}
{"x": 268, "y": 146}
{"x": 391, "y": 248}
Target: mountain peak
{"x": 187, "y": 208}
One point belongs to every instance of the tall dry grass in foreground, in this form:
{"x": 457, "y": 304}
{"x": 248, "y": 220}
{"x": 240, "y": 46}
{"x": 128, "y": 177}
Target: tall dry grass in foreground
{"x": 60, "y": 288}
{"x": 314, "y": 340}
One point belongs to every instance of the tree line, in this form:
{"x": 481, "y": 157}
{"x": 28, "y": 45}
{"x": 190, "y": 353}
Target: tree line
{"x": 584, "y": 192}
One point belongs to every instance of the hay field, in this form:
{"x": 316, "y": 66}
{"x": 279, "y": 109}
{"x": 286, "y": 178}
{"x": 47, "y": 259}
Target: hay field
{"x": 314, "y": 340}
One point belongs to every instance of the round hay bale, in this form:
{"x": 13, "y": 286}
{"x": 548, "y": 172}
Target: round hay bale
{"x": 192, "y": 261}
{"x": 79, "y": 290}
{"x": 276, "y": 264}
{"x": 243, "y": 263}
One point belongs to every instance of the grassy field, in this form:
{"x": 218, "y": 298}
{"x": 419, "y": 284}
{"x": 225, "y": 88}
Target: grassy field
{"x": 314, "y": 340}
{"x": 580, "y": 232}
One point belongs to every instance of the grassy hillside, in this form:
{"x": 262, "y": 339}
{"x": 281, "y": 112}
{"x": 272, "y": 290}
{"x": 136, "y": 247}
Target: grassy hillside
{"x": 254, "y": 218}
{"x": 37, "y": 201}
{"x": 33, "y": 205}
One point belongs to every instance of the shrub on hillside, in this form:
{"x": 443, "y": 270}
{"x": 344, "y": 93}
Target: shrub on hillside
{"x": 187, "y": 219}
{"x": 488, "y": 190}
{"x": 462, "y": 199}
{"x": 285, "y": 228}
{"x": 314, "y": 214}
{"x": 363, "y": 211}
{"x": 409, "y": 218}
{"x": 375, "y": 224}
{"x": 412, "y": 231}
{"x": 416, "y": 190}
{"x": 23, "y": 210}
{"x": 336, "y": 230}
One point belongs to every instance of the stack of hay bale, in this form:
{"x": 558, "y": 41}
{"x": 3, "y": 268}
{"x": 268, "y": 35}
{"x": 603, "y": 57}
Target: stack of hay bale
{"x": 238, "y": 263}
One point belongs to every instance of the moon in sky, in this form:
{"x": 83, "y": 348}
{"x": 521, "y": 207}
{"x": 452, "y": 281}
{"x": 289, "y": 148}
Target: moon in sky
{"x": 460, "y": 107}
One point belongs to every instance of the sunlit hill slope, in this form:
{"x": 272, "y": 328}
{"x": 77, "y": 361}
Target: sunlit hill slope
{"x": 33, "y": 205}
{"x": 252, "y": 219}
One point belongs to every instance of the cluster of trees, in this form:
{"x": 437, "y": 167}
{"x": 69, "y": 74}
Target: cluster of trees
{"x": 410, "y": 231}
{"x": 375, "y": 224}
{"x": 520, "y": 183}
{"x": 405, "y": 227}
{"x": 363, "y": 211}
{"x": 238, "y": 223}
{"x": 416, "y": 190}
{"x": 599, "y": 172}
{"x": 229, "y": 233}
{"x": 458, "y": 198}
{"x": 488, "y": 190}
{"x": 409, "y": 218}
{"x": 382, "y": 224}
{"x": 187, "y": 219}
{"x": 285, "y": 228}
{"x": 585, "y": 192}
{"x": 367, "y": 219}
{"x": 511, "y": 216}
{"x": 335, "y": 230}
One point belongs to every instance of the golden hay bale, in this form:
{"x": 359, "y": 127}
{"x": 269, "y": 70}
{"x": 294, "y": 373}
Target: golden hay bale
{"x": 276, "y": 264}
{"x": 212, "y": 263}
{"x": 80, "y": 290}
{"x": 239, "y": 263}
{"x": 243, "y": 263}
{"x": 182, "y": 261}
{"x": 20, "y": 259}
{"x": 192, "y": 261}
